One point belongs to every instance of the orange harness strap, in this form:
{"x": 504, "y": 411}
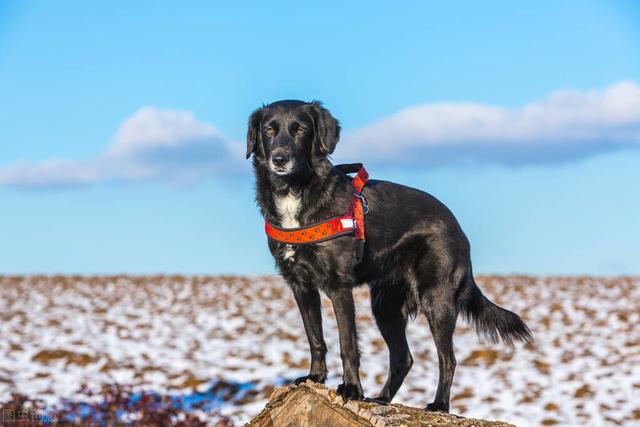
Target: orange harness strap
{"x": 350, "y": 222}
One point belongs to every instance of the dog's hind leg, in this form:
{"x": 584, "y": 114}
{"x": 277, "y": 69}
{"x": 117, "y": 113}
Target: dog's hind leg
{"x": 308, "y": 300}
{"x": 387, "y": 307}
{"x": 441, "y": 312}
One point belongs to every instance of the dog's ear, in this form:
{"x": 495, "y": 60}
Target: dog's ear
{"x": 327, "y": 128}
{"x": 253, "y": 131}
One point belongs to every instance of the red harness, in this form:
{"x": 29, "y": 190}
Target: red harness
{"x": 351, "y": 222}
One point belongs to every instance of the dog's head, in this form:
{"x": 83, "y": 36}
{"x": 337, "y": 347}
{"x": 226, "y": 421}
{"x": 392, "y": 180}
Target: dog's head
{"x": 291, "y": 136}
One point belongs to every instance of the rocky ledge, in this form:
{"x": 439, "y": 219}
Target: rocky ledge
{"x": 310, "y": 405}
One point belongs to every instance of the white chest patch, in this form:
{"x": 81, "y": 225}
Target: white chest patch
{"x": 288, "y": 208}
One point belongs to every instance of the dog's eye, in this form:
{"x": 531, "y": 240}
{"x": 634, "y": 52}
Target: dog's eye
{"x": 300, "y": 131}
{"x": 269, "y": 131}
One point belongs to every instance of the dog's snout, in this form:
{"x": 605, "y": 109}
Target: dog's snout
{"x": 280, "y": 159}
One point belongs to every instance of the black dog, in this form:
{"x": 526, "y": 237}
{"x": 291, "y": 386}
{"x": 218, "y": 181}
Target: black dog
{"x": 416, "y": 258}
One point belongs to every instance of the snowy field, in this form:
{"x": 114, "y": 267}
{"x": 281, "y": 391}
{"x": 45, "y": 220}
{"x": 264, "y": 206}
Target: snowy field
{"x": 234, "y": 338}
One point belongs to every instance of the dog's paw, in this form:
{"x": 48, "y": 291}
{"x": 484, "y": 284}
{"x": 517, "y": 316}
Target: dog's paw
{"x": 438, "y": 407}
{"x": 313, "y": 378}
{"x": 350, "y": 391}
{"x": 380, "y": 400}
{"x": 377, "y": 400}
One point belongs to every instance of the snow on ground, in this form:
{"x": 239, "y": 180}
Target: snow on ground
{"x": 178, "y": 334}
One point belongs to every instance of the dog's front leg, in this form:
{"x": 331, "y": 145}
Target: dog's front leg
{"x": 308, "y": 300}
{"x": 342, "y": 300}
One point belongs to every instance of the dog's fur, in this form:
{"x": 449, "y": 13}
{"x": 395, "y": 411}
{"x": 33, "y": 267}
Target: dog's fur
{"x": 416, "y": 258}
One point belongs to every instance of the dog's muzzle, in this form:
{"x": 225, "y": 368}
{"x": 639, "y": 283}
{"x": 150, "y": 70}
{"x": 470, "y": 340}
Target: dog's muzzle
{"x": 281, "y": 163}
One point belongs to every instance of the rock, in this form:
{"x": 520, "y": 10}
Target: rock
{"x": 383, "y": 410}
{"x": 398, "y": 417}
{"x": 311, "y": 405}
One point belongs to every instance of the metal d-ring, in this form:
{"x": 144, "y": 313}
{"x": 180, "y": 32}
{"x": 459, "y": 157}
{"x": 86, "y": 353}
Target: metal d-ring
{"x": 365, "y": 206}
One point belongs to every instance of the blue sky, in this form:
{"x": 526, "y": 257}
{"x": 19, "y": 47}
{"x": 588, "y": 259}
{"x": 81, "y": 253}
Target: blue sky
{"x": 122, "y": 126}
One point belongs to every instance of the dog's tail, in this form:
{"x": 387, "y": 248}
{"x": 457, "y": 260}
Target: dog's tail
{"x": 490, "y": 320}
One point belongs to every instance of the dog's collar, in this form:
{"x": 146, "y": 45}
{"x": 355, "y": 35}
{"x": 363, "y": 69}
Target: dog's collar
{"x": 352, "y": 222}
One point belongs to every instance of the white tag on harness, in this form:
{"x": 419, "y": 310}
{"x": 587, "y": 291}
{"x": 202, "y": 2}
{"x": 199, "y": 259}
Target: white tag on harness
{"x": 347, "y": 223}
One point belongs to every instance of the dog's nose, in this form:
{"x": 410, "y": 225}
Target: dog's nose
{"x": 280, "y": 159}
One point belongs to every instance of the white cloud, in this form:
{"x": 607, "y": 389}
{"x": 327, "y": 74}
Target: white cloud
{"x": 565, "y": 125}
{"x": 151, "y": 144}
{"x": 50, "y": 173}
{"x": 156, "y": 144}
{"x": 165, "y": 144}
{"x": 150, "y": 128}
